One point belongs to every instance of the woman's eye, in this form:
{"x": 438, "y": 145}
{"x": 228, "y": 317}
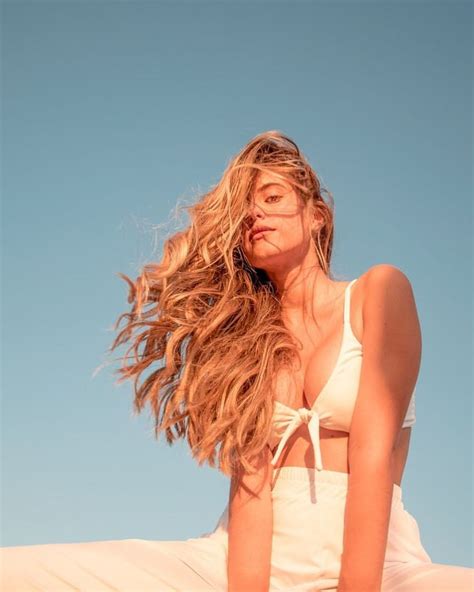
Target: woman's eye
{"x": 271, "y": 196}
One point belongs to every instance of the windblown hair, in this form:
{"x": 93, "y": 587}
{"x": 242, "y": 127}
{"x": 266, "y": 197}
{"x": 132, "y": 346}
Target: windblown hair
{"x": 213, "y": 320}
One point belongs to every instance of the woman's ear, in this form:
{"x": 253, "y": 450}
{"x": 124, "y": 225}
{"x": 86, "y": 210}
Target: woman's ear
{"x": 316, "y": 221}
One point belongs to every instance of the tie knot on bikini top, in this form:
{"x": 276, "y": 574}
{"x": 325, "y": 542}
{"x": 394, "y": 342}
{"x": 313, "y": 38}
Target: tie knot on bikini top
{"x": 305, "y": 414}
{"x": 334, "y": 405}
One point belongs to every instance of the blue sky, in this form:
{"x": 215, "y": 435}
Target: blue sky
{"x": 114, "y": 111}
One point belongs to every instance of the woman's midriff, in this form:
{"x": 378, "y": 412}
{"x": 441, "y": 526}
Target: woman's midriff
{"x": 298, "y": 451}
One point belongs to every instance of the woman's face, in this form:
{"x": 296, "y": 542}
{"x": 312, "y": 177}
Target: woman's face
{"x": 276, "y": 205}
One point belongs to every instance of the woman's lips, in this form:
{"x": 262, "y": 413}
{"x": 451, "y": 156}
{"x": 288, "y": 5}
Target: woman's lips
{"x": 260, "y": 234}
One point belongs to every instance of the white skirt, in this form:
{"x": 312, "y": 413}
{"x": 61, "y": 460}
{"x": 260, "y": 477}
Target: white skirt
{"x": 308, "y": 524}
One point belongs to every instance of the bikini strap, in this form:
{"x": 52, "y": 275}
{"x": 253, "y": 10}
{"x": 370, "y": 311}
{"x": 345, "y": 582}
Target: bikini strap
{"x": 347, "y": 302}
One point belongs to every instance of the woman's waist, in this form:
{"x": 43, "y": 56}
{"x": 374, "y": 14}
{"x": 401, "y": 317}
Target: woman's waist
{"x": 290, "y": 481}
{"x": 299, "y": 492}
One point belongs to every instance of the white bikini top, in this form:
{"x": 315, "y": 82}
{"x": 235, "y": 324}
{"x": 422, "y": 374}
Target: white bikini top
{"x": 334, "y": 406}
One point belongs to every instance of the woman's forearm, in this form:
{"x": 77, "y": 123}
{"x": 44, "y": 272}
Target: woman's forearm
{"x": 366, "y": 524}
{"x": 250, "y": 540}
{"x": 250, "y": 533}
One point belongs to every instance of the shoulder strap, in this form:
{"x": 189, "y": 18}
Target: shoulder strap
{"x": 347, "y": 302}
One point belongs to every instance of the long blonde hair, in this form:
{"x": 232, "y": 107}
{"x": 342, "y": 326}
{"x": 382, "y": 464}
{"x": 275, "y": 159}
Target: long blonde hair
{"x": 213, "y": 320}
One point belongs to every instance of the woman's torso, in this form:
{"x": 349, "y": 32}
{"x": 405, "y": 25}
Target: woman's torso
{"x": 320, "y": 348}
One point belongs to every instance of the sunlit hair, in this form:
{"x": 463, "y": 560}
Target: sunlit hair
{"x": 213, "y": 321}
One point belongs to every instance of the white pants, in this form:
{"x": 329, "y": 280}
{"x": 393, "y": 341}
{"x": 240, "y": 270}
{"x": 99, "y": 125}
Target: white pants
{"x": 308, "y": 510}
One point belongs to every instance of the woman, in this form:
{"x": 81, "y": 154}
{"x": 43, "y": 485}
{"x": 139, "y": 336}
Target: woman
{"x": 263, "y": 374}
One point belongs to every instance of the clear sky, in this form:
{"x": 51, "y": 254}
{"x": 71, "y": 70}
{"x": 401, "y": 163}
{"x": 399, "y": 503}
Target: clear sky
{"x": 112, "y": 112}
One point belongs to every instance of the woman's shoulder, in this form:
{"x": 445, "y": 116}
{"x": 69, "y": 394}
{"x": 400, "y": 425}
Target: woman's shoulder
{"x": 380, "y": 277}
{"x": 381, "y": 272}
{"x": 378, "y": 283}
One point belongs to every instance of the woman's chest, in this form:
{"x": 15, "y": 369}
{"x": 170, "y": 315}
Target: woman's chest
{"x": 324, "y": 381}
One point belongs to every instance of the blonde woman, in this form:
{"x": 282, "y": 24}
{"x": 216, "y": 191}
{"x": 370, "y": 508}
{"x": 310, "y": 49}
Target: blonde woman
{"x": 299, "y": 387}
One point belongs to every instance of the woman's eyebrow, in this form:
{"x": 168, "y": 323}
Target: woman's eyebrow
{"x": 265, "y": 185}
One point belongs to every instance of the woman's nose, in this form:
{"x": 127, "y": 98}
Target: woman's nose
{"x": 255, "y": 210}
{"x": 251, "y": 218}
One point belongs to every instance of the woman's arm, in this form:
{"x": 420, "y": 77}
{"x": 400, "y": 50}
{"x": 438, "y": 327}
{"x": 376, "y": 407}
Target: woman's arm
{"x": 390, "y": 366}
{"x": 250, "y": 528}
